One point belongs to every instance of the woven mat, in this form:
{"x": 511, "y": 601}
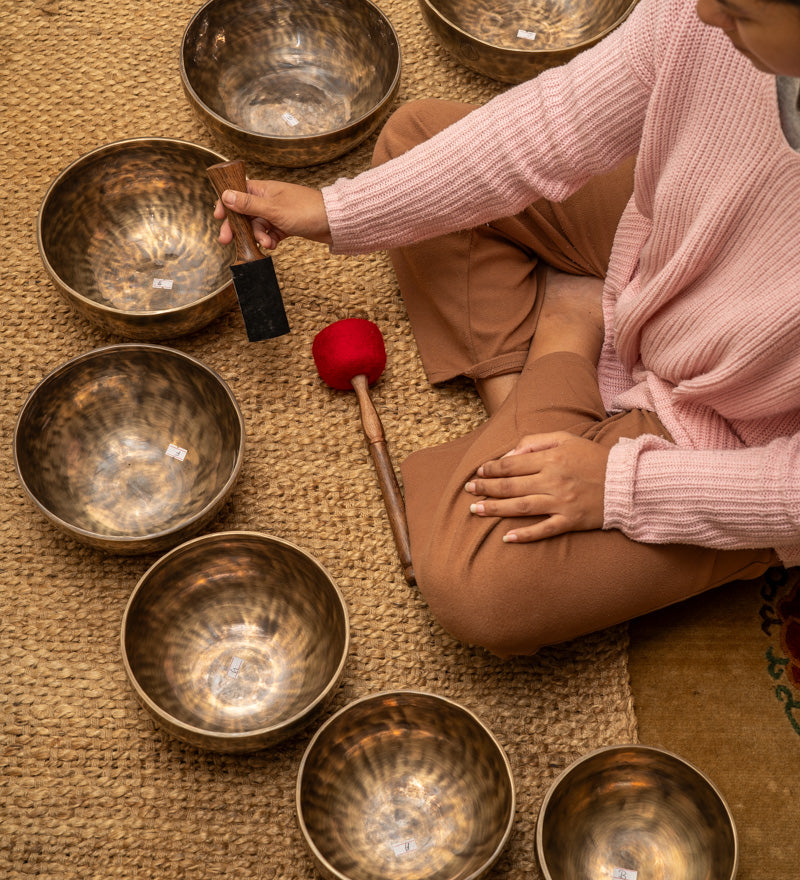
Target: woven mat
{"x": 89, "y": 786}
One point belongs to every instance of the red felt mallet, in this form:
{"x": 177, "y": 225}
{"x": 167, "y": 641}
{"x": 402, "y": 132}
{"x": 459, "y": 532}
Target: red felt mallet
{"x": 350, "y": 354}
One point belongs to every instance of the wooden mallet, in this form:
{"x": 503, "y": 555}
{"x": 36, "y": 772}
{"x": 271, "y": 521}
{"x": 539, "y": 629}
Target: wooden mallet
{"x": 253, "y": 273}
{"x": 350, "y": 354}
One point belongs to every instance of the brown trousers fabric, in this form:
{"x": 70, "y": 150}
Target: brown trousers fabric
{"x": 473, "y": 300}
{"x": 471, "y": 296}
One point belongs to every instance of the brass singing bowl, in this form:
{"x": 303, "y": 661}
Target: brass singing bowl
{"x": 127, "y": 235}
{"x": 635, "y": 811}
{"x": 403, "y": 785}
{"x": 513, "y": 40}
{"x": 234, "y": 641}
{"x": 290, "y": 82}
{"x": 130, "y": 448}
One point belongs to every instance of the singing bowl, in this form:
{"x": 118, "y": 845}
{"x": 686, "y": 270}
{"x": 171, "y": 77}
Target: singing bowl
{"x": 234, "y": 641}
{"x": 127, "y": 235}
{"x": 635, "y": 811}
{"x": 290, "y": 82}
{"x": 513, "y": 40}
{"x": 403, "y": 785}
{"x": 130, "y": 448}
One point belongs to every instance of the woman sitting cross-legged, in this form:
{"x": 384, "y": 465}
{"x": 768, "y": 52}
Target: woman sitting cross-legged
{"x": 611, "y": 250}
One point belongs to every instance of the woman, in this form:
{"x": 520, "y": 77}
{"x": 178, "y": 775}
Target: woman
{"x": 634, "y": 330}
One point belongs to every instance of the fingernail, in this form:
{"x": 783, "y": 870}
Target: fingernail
{"x": 510, "y": 538}
{"x": 477, "y": 508}
{"x": 229, "y": 197}
{"x": 469, "y": 487}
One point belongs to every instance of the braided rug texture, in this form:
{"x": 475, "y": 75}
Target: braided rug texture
{"x": 90, "y": 787}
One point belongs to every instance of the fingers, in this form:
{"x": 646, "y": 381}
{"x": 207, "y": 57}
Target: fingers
{"x": 548, "y": 527}
{"x": 556, "y": 481}
{"x": 244, "y": 203}
{"x": 545, "y": 523}
{"x": 263, "y": 233}
{"x": 279, "y": 210}
{"x": 266, "y": 235}
{"x": 533, "y": 443}
{"x": 525, "y": 505}
{"x": 546, "y": 518}
{"x": 503, "y": 487}
{"x": 513, "y": 474}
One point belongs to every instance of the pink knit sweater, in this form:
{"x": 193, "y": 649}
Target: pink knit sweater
{"x": 702, "y": 298}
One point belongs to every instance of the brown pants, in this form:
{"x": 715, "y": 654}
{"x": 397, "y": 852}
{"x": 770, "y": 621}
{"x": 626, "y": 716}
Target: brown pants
{"x": 473, "y": 301}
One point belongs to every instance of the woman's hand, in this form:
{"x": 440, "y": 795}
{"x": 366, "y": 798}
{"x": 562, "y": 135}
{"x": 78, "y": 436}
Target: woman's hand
{"x": 558, "y": 478}
{"x": 278, "y": 210}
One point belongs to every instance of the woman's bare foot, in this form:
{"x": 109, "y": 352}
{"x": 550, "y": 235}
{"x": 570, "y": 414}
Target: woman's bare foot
{"x": 495, "y": 389}
{"x": 571, "y": 318}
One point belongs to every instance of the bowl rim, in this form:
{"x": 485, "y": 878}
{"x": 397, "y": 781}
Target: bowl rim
{"x": 629, "y": 747}
{"x": 288, "y": 139}
{"x": 528, "y": 51}
{"x": 253, "y": 733}
{"x": 93, "y": 304}
{"x": 381, "y": 695}
{"x": 123, "y": 540}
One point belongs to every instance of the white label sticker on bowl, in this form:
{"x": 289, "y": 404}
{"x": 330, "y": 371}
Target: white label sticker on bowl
{"x": 289, "y": 119}
{"x": 624, "y": 874}
{"x": 163, "y": 283}
{"x": 404, "y": 846}
{"x": 526, "y": 35}
{"x": 176, "y": 452}
{"x": 235, "y": 667}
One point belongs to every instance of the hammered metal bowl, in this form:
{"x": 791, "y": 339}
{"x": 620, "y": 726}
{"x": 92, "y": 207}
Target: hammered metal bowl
{"x": 513, "y": 40}
{"x": 403, "y": 785}
{"x": 235, "y": 641}
{"x": 128, "y": 238}
{"x": 631, "y": 811}
{"x": 130, "y": 448}
{"x": 290, "y": 82}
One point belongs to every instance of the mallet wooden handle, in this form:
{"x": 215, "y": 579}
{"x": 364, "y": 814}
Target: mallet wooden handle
{"x": 392, "y": 497}
{"x": 231, "y": 175}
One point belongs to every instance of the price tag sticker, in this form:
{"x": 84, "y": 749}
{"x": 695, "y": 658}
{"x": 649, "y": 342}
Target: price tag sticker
{"x": 289, "y": 119}
{"x": 235, "y": 667}
{"x": 163, "y": 283}
{"x": 624, "y": 874}
{"x": 526, "y": 35}
{"x": 404, "y": 846}
{"x": 177, "y": 452}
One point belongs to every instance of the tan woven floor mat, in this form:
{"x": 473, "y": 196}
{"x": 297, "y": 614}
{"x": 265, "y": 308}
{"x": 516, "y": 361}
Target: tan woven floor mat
{"x": 89, "y": 787}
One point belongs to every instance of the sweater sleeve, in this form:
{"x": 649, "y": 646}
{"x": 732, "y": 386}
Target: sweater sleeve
{"x": 545, "y": 137}
{"x": 729, "y": 499}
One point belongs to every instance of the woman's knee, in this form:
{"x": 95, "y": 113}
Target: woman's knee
{"x": 412, "y": 124}
{"x": 404, "y": 129}
{"x": 479, "y": 606}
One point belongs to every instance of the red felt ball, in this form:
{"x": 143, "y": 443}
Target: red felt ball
{"x": 348, "y": 348}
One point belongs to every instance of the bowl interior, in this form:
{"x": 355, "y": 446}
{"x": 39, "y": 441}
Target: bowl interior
{"x": 640, "y": 811}
{"x": 405, "y": 786}
{"x": 130, "y": 226}
{"x": 235, "y": 632}
{"x": 290, "y": 68}
{"x": 128, "y": 441}
{"x": 531, "y": 25}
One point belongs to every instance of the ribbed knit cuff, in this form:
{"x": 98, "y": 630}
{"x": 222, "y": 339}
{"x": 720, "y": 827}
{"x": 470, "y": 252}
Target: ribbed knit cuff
{"x": 619, "y": 486}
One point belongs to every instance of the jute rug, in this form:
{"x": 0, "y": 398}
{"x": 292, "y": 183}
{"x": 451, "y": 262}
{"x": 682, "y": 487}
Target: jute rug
{"x": 89, "y": 786}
